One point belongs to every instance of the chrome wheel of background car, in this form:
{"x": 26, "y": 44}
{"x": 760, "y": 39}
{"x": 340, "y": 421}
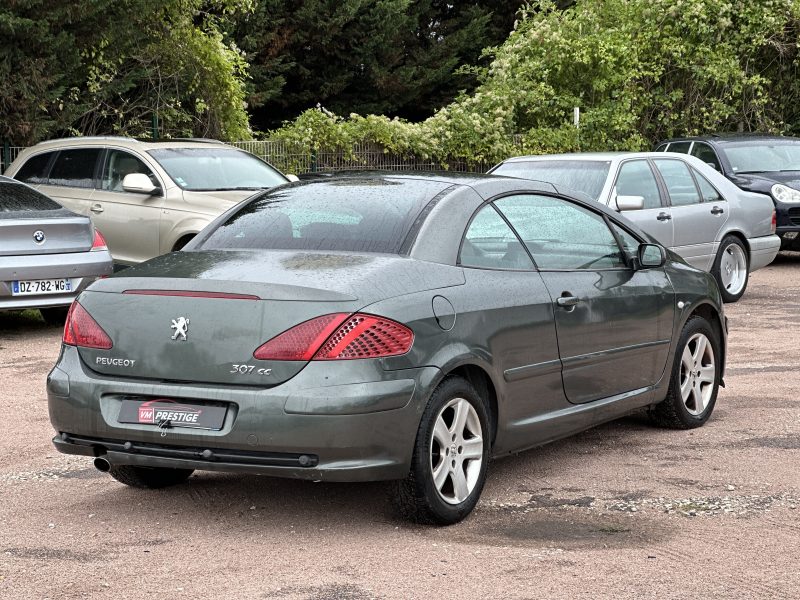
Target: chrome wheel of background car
{"x": 456, "y": 451}
{"x": 698, "y": 374}
{"x": 733, "y": 269}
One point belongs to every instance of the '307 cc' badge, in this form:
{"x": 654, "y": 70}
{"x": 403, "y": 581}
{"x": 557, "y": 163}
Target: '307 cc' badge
{"x": 181, "y": 327}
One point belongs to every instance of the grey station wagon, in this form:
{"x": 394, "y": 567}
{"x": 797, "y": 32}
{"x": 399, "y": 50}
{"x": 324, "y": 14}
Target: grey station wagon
{"x": 385, "y": 327}
{"x": 679, "y": 200}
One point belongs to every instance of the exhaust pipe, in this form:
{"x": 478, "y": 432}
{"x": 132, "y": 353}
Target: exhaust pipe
{"x": 102, "y": 465}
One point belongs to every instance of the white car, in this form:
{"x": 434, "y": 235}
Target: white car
{"x": 678, "y": 199}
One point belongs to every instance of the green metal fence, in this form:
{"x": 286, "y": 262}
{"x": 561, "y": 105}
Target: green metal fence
{"x": 7, "y": 155}
{"x": 291, "y": 158}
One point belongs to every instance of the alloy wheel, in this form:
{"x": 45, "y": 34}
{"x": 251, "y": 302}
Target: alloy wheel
{"x": 733, "y": 269}
{"x": 456, "y": 451}
{"x": 698, "y": 374}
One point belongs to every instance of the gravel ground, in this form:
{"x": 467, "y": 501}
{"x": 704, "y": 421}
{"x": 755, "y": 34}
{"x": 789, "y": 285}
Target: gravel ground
{"x": 622, "y": 511}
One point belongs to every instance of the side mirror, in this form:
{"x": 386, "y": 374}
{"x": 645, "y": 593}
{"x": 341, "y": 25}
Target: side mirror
{"x": 651, "y": 256}
{"x": 714, "y": 166}
{"x": 138, "y": 183}
{"x": 630, "y": 203}
{"x": 292, "y": 178}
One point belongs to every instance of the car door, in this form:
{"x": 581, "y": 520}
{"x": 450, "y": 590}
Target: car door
{"x": 71, "y": 179}
{"x": 129, "y": 221}
{"x": 696, "y": 223}
{"x": 507, "y": 306}
{"x": 613, "y": 321}
{"x": 637, "y": 178}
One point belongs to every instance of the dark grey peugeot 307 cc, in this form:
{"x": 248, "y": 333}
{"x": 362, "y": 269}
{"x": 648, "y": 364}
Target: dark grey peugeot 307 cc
{"x": 385, "y": 327}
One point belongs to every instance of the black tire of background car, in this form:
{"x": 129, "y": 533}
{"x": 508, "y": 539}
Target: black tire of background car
{"x": 415, "y": 497}
{"x": 147, "y": 477}
{"x": 55, "y": 316}
{"x": 672, "y": 412}
{"x": 727, "y": 241}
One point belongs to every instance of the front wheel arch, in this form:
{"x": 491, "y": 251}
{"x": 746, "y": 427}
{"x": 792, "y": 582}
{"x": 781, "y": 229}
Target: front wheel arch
{"x": 182, "y": 241}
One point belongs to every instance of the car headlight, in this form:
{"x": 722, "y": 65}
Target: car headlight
{"x": 783, "y": 193}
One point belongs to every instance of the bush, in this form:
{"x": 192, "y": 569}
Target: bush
{"x": 640, "y": 70}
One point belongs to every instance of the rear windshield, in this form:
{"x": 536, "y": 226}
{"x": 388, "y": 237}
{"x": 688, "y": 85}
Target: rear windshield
{"x": 17, "y": 198}
{"x": 587, "y": 176}
{"x": 216, "y": 169}
{"x": 351, "y": 215}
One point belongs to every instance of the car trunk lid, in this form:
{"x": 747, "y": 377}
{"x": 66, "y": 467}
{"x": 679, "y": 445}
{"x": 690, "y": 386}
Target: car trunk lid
{"x": 199, "y": 316}
{"x": 24, "y": 233}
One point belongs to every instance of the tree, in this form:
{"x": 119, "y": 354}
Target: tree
{"x": 107, "y": 66}
{"x": 397, "y": 57}
{"x": 641, "y": 71}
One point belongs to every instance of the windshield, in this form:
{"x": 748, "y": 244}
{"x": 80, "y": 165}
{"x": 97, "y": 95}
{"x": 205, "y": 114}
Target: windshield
{"x": 215, "y": 169}
{"x": 587, "y": 176}
{"x": 352, "y": 215}
{"x": 763, "y": 157}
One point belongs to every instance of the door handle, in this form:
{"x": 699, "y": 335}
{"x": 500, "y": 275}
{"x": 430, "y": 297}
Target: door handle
{"x": 96, "y": 208}
{"x": 567, "y": 301}
{"x": 717, "y": 211}
{"x": 662, "y": 216}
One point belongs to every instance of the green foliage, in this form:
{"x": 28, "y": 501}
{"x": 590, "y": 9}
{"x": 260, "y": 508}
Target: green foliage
{"x": 106, "y": 66}
{"x": 641, "y": 71}
{"x": 396, "y": 57}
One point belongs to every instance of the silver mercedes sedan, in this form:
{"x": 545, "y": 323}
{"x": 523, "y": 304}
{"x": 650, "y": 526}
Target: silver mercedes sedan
{"x": 681, "y": 201}
{"x": 48, "y": 255}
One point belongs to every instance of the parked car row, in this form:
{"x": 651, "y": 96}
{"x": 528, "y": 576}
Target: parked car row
{"x": 712, "y": 206}
{"x": 374, "y": 326}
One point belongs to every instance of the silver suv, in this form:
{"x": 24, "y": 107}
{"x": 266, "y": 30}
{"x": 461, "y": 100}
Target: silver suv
{"x": 148, "y": 198}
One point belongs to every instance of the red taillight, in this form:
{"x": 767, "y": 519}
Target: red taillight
{"x": 366, "y": 336}
{"x": 300, "y": 342}
{"x": 82, "y": 330}
{"x": 774, "y": 221}
{"x": 339, "y": 337}
{"x": 99, "y": 242}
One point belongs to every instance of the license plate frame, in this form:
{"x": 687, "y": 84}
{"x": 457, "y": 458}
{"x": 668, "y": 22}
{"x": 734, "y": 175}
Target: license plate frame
{"x": 41, "y": 287}
{"x": 171, "y": 413}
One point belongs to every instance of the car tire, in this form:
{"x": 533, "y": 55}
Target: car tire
{"x": 694, "y": 381}
{"x": 731, "y": 268}
{"x": 54, "y": 316}
{"x": 147, "y": 477}
{"x": 451, "y": 455}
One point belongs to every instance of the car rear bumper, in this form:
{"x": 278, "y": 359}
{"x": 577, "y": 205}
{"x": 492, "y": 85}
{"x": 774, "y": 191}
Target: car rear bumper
{"x": 81, "y": 267}
{"x": 367, "y": 436}
{"x": 763, "y": 250}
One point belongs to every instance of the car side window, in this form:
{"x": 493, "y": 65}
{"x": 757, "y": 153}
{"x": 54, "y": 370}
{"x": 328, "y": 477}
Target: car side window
{"x": 34, "y": 171}
{"x": 706, "y": 153}
{"x": 680, "y": 147}
{"x": 679, "y": 181}
{"x": 561, "y": 235}
{"x": 119, "y": 164}
{"x": 75, "y": 168}
{"x": 636, "y": 178}
{"x": 489, "y": 243}
{"x": 708, "y": 192}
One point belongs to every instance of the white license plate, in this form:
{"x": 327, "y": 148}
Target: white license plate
{"x": 41, "y": 286}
